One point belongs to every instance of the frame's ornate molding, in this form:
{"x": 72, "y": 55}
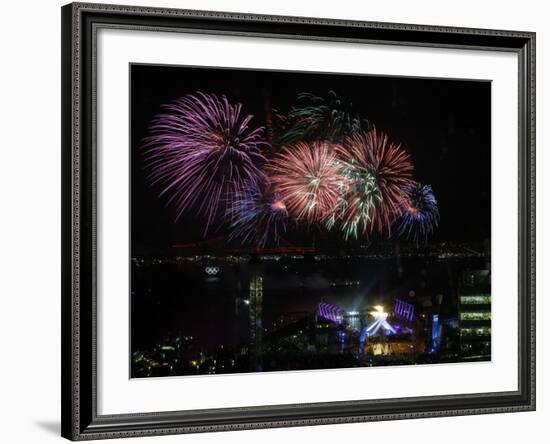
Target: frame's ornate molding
{"x": 79, "y": 246}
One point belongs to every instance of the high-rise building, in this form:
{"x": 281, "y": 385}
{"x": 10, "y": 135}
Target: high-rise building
{"x": 474, "y": 314}
{"x": 255, "y": 295}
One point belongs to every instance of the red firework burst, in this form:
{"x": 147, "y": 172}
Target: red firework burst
{"x": 308, "y": 177}
{"x": 371, "y": 156}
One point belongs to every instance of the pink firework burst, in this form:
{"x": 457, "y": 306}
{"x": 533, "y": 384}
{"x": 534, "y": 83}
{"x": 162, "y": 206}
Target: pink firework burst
{"x": 379, "y": 172}
{"x": 201, "y": 149}
{"x": 308, "y": 177}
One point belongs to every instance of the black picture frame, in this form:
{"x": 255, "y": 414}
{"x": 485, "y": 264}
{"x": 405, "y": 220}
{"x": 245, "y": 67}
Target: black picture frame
{"x": 80, "y": 420}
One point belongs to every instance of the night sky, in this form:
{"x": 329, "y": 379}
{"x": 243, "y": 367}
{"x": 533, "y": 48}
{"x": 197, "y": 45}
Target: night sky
{"x": 444, "y": 125}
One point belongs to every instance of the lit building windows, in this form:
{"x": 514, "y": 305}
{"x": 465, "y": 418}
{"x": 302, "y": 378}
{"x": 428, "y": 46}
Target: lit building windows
{"x": 475, "y": 299}
{"x": 473, "y": 332}
{"x": 475, "y": 316}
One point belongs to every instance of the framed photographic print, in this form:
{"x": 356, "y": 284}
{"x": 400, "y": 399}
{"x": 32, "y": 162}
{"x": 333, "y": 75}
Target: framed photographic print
{"x": 280, "y": 221}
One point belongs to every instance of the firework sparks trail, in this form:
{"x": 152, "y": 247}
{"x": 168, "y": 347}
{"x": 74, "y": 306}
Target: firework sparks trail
{"x": 354, "y": 210}
{"x": 308, "y": 176}
{"x": 200, "y": 149}
{"x": 321, "y": 118}
{"x": 258, "y": 215}
{"x": 420, "y": 214}
{"x": 379, "y": 170}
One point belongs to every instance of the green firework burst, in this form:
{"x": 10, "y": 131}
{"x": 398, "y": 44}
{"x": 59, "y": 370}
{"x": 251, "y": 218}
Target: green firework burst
{"x": 329, "y": 118}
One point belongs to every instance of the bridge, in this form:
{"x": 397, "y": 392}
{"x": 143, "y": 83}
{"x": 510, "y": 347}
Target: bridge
{"x": 219, "y": 243}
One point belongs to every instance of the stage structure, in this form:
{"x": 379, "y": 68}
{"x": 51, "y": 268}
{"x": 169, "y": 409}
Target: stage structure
{"x": 330, "y": 312}
{"x": 380, "y": 322}
{"x": 403, "y": 310}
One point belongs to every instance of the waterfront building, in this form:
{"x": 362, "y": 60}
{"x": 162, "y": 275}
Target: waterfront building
{"x": 474, "y": 314}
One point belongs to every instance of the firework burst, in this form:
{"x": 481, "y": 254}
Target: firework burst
{"x": 420, "y": 213}
{"x": 308, "y": 177}
{"x": 378, "y": 171}
{"x": 354, "y": 211}
{"x": 257, "y": 215}
{"x": 321, "y": 118}
{"x": 201, "y": 149}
